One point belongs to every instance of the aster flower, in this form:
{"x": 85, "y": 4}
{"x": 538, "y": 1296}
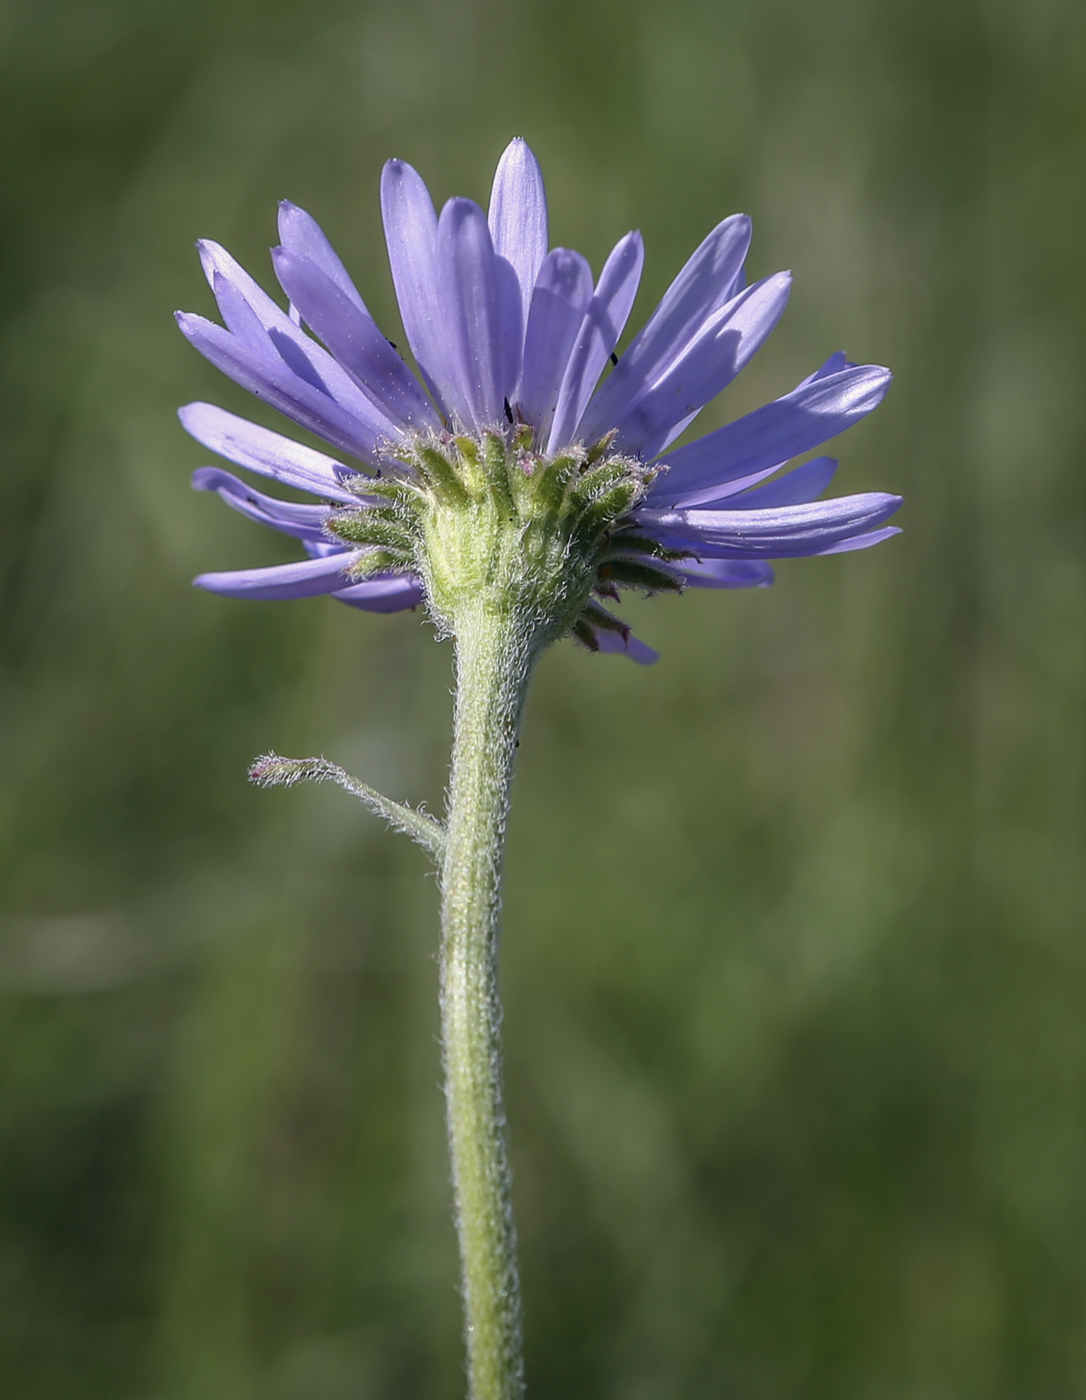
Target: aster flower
{"x": 515, "y": 485}
{"x": 512, "y": 341}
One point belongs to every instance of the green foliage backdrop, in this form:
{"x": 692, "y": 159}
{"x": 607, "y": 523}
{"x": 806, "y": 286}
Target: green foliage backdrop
{"x": 794, "y": 962}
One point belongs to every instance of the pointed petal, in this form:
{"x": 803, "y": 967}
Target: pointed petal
{"x": 626, "y": 644}
{"x": 411, "y": 236}
{"x": 353, "y": 338}
{"x": 662, "y": 440}
{"x": 300, "y": 234}
{"x": 385, "y": 593}
{"x": 834, "y": 365}
{"x": 276, "y": 383}
{"x": 810, "y": 415}
{"x": 724, "y": 345}
{"x": 305, "y": 578}
{"x": 563, "y": 290}
{"x": 240, "y": 318}
{"x": 604, "y": 321}
{"x": 511, "y": 318}
{"x": 862, "y": 541}
{"x": 518, "y": 217}
{"x": 303, "y": 522}
{"x": 784, "y": 532}
{"x": 260, "y": 450}
{"x": 724, "y": 573}
{"x": 322, "y": 548}
{"x": 802, "y": 484}
{"x": 703, "y": 286}
{"x": 217, "y": 262}
{"x": 469, "y": 296}
{"x": 263, "y": 329}
{"x": 241, "y": 299}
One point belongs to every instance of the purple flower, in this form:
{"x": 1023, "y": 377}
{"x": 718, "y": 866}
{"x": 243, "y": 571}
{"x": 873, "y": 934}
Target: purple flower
{"x": 512, "y": 341}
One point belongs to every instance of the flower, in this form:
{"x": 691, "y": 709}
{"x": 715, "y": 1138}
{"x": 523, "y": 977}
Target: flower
{"x": 511, "y": 341}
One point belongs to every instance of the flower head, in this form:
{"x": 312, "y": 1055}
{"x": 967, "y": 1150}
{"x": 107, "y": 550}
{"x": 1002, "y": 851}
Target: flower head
{"x": 512, "y": 459}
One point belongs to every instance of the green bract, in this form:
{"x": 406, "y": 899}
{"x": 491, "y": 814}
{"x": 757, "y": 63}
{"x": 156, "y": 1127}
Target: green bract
{"x": 487, "y": 520}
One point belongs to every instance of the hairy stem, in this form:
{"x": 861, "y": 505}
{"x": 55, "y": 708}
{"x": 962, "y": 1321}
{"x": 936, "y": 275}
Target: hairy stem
{"x": 494, "y": 656}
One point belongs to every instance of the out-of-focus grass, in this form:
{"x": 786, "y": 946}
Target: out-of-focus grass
{"x": 794, "y": 961}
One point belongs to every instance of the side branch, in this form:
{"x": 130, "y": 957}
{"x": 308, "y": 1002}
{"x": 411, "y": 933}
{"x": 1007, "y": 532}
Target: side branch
{"x": 270, "y": 770}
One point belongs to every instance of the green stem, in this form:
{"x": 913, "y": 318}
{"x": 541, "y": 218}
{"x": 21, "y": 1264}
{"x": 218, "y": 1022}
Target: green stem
{"x": 494, "y": 656}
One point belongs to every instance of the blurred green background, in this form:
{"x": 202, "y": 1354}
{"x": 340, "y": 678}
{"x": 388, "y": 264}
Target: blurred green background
{"x": 795, "y": 972}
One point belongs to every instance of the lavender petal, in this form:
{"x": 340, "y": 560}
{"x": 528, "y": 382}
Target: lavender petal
{"x": 305, "y": 578}
{"x": 834, "y": 365}
{"x": 301, "y": 235}
{"x": 411, "y": 236}
{"x": 260, "y": 450}
{"x": 810, "y": 415}
{"x": 289, "y": 518}
{"x": 518, "y": 217}
{"x": 218, "y": 263}
{"x": 862, "y": 541}
{"x": 352, "y": 336}
{"x": 784, "y": 532}
{"x": 701, "y": 288}
{"x": 626, "y": 644}
{"x": 563, "y": 290}
{"x": 384, "y": 593}
{"x": 511, "y": 320}
{"x": 724, "y": 573}
{"x": 241, "y": 300}
{"x": 802, "y": 484}
{"x": 321, "y": 548}
{"x": 468, "y": 282}
{"x": 723, "y": 346}
{"x": 272, "y": 380}
{"x": 604, "y": 320}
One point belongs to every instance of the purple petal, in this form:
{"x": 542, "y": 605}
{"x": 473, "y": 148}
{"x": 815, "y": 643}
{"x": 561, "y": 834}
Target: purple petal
{"x": 241, "y": 299}
{"x": 352, "y": 336}
{"x": 805, "y": 483}
{"x": 604, "y": 320}
{"x": 470, "y": 302}
{"x": 862, "y": 541}
{"x": 318, "y": 548}
{"x": 301, "y": 521}
{"x": 656, "y": 445}
{"x": 511, "y": 318}
{"x": 626, "y": 644}
{"x": 411, "y": 236}
{"x": 218, "y": 263}
{"x": 787, "y": 531}
{"x": 563, "y": 290}
{"x": 724, "y": 573}
{"x": 273, "y": 381}
{"x": 240, "y": 318}
{"x": 723, "y": 346}
{"x": 834, "y": 365}
{"x": 269, "y": 454}
{"x": 305, "y": 578}
{"x": 811, "y": 414}
{"x": 300, "y": 234}
{"x": 518, "y": 217}
{"x": 701, "y": 288}
{"x": 385, "y": 593}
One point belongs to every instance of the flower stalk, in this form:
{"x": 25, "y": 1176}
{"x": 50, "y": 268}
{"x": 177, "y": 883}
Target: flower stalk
{"x": 494, "y": 657}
